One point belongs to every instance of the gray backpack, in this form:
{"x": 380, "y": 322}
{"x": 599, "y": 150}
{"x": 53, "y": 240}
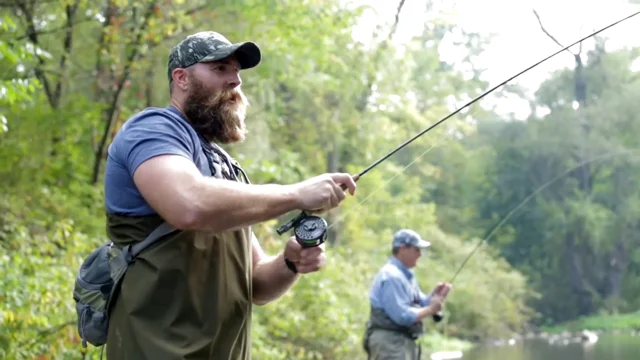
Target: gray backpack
{"x": 99, "y": 279}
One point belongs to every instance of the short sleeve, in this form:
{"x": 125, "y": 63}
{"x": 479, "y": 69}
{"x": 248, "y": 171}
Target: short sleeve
{"x": 150, "y": 136}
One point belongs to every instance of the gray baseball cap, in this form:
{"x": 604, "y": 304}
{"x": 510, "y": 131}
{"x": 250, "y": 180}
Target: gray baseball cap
{"x": 407, "y": 237}
{"x": 208, "y": 46}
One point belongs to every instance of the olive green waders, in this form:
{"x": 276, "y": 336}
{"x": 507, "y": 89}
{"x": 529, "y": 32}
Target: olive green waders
{"x": 185, "y": 297}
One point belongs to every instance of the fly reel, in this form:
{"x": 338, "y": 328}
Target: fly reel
{"x": 309, "y": 230}
{"x": 438, "y": 317}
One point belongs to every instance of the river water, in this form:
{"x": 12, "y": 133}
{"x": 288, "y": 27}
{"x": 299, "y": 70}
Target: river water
{"x": 622, "y": 346}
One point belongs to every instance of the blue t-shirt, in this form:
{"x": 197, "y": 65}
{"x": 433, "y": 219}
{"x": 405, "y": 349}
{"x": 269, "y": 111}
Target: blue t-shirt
{"x": 396, "y": 291}
{"x": 149, "y": 133}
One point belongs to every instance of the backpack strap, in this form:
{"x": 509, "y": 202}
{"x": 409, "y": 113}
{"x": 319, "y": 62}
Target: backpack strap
{"x": 131, "y": 251}
{"x": 210, "y": 150}
{"x": 215, "y": 154}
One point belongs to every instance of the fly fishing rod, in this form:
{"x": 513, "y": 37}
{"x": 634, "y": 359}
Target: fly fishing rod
{"x": 311, "y": 230}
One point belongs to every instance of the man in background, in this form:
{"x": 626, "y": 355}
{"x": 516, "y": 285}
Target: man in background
{"x": 398, "y": 306}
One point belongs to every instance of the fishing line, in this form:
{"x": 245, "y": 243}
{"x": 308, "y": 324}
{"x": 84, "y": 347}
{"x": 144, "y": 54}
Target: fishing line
{"x": 349, "y": 211}
{"x": 439, "y": 316}
{"x": 345, "y": 214}
{"x": 487, "y": 93}
{"x": 311, "y": 230}
{"x": 399, "y": 172}
{"x": 534, "y": 193}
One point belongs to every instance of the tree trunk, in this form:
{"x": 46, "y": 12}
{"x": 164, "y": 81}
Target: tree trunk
{"x": 618, "y": 265}
{"x": 110, "y": 115}
{"x": 575, "y": 274}
{"x": 619, "y": 258}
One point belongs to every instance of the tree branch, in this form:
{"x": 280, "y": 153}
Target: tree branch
{"x": 165, "y": 37}
{"x": 104, "y": 80}
{"x": 551, "y": 36}
{"x": 70, "y": 10}
{"x": 20, "y": 2}
{"x": 52, "y": 30}
{"x": 148, "y": 87}
{"x": 33, "y": 37}
{"x": 99, "y": 73}
{"x": 364, "y": 100}
{"x": 113, "y": 109}
{"x": 102, "y": 74}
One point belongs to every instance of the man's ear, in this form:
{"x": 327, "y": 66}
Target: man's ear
{"x": 181, "y": 78}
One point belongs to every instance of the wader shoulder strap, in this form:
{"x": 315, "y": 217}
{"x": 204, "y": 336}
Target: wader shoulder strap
{"x": 157, "y": 234}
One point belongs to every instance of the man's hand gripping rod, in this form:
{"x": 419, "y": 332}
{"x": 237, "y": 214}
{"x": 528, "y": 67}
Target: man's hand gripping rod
{"x": 311, "y": 230}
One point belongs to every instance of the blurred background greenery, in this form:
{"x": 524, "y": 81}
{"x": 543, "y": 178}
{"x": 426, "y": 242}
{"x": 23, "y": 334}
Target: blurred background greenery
{"x": 74, "y": 70}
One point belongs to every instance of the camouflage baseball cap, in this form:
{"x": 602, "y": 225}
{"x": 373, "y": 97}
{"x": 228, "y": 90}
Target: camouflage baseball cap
{"x": 406, "y": 237}
{"x": 207, "y": 46}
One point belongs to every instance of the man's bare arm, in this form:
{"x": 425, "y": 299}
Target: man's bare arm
{"x": 271, "y": 277}
{"x": 175, "y": 188}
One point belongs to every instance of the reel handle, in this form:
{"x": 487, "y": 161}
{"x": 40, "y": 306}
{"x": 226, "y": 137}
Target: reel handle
{"x": 291, "y": 223}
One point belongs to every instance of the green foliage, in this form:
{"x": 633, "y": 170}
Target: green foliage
{"x": 338, "y": 304}
{"x": 15, "y": 90}
{"x": 319, "y": 102}
{"x": 574, "y": 239}
{"x": 604, "y": 322}
{"x": 43, "y": 239}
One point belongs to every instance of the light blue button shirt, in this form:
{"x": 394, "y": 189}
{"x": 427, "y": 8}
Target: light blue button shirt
{"x": 396, "y": 291}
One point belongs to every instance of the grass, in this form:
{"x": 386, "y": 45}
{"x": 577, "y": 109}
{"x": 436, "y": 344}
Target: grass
{"x": 630, "y": 321}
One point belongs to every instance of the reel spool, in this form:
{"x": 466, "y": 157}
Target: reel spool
{"x": 438, "y": 317}
{"x": 309, "y": 230}
{"x": 312, "y": 231}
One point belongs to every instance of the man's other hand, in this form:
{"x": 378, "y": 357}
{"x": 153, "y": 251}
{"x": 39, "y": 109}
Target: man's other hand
{"x": 442, "y": 290}
{"x": 307, "y": 260}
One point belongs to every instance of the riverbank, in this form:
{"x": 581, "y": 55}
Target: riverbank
{"x": 436, "y": 342}
{"x": 605, "y": 323}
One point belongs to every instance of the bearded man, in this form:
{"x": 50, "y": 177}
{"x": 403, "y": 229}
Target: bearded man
{"x": 190, "y": 295}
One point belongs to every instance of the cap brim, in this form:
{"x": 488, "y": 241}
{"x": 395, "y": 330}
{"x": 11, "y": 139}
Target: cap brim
{"x": 247, "y": 53}
{"x": 423, "y": 244}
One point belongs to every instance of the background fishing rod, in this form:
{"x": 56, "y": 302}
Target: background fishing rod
{"x": 531, "y": 196}
{"x": 311, "y": 230}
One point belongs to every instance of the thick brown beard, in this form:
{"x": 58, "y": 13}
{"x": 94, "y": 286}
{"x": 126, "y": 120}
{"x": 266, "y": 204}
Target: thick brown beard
{"x": 219, "y": 117}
